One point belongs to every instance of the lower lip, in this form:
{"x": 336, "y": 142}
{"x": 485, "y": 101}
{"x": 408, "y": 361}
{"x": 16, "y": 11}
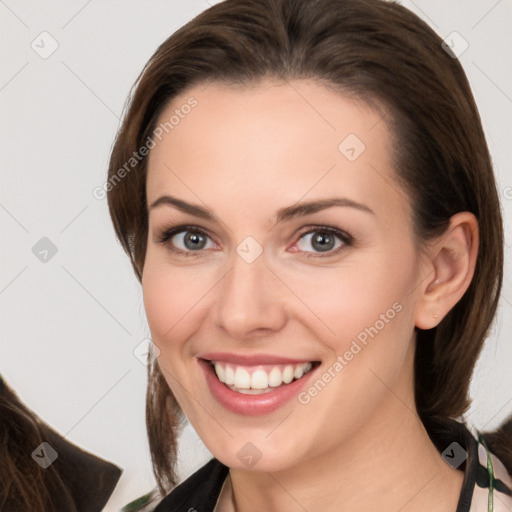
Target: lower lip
{"x": 252, "y": 405}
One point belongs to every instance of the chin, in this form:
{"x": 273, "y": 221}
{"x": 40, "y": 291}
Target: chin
{"x": 254, "y": 453}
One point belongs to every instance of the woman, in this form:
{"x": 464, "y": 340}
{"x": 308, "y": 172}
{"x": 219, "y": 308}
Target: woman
{"x": 41, "y": 471}
{"x": 306, "y": 196}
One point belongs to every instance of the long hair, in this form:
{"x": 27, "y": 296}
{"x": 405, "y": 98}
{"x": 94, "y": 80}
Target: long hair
{"x": 373, "y": 50}
{"x": 76, "y": 481}
{"x": 24, "y": 485}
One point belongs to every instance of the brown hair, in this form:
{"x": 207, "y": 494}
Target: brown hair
{"x": 24, "y": 485}
{"x": 376, "y": 51}
{"x": 76, "y": 481}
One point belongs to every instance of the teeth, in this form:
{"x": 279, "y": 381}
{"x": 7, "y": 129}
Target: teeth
{"x": 262, "y": 379}
{"x": 229, "y": 375}
{"x": 251, "y": 391}
{"x": 288, "y": 374}
{"x": 259, "y": 380}
{"x": 220, "y": 372}
{"x": 298, "y": 372}
{"x": 275, "y": 378}
{"x": 242, "y": 378}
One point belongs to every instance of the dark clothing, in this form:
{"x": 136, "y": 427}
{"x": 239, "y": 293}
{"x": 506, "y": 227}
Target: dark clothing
{"x": 37, "y": 463}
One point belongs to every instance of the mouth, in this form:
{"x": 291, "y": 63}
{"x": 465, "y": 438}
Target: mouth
{"x": 259, "y": 379}
{"x": 255, "y": 385}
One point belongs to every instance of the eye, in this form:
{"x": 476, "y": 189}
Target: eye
{"x": 324, "y": 240}
{"x": 185, "y": 239}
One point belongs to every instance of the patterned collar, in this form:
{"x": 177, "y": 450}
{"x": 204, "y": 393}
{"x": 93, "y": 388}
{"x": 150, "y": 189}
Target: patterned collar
{"x": 490, "y": 485}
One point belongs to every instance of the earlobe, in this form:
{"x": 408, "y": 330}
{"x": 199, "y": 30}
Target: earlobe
{"x": 452, "y": 259}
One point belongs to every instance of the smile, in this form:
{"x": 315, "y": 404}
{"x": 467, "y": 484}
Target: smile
{"x": 254, "y": 380}
{"x": 255, "y": 385}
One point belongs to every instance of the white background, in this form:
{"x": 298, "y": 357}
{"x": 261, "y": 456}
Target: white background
{"x": 70, "y": 325}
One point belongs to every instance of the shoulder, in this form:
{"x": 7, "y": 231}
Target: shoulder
{"x": 145, "y": 503}
{"x": 487, "y": 485}
{"x": 69, "y": 474}
{"x": 198, "y": 492}
{"x": 493, "y": 483}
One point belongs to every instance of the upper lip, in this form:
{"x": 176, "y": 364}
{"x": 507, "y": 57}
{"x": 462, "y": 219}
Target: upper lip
{"x": 251, "y": 359}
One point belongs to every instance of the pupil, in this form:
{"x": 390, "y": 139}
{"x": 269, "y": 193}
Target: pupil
{"x": 325, "y": 242}
{"x": 195, "y": 239}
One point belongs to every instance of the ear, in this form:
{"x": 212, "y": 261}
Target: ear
{"x": 450, "y": 264}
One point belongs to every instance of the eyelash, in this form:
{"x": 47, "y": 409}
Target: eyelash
{"x": 346, "y": 238}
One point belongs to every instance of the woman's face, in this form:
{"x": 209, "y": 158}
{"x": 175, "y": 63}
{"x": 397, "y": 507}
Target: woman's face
{"x": 292, "y": 252}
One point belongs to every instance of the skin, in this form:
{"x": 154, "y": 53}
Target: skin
{"x": 243, "y": 153}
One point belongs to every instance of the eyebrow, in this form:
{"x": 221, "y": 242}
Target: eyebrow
{"x": 283, "y": 214}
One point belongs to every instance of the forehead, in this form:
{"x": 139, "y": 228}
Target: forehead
{"x": 284, "y": 138}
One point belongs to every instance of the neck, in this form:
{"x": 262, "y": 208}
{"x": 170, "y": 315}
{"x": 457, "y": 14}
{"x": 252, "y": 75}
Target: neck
{"x": 390, "y": 464}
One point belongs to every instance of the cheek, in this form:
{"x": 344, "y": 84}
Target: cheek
{"x": 363, "y": 312}
{"x": 174, "y": 299}
{"x": 345, "y": 299}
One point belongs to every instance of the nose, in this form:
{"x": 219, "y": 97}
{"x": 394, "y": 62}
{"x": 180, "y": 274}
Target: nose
{"x": 251, "y": 300}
